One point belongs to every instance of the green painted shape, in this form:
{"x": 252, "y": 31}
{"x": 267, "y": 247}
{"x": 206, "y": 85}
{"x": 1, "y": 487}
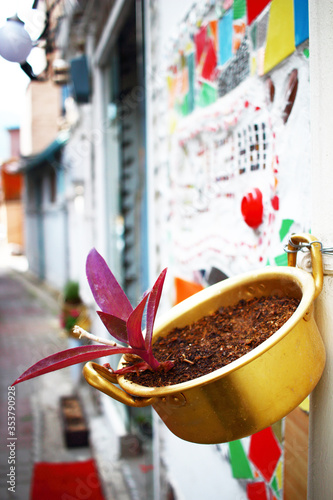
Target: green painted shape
{"x": 239, "y": 462}
{"x": 184, "y": 107}
{"x": 239, "y": 9}
{"x": 207, "y": 95}
{"x": 281, "y": 260}
{"x": 274, "y": 486}
{"x": 285, "y": 226}
{"x": 306, "y": 52}
{"x": 253, "y": 35}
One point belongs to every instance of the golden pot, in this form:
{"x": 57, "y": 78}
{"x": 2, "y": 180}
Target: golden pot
{"x": 252, "y": 392}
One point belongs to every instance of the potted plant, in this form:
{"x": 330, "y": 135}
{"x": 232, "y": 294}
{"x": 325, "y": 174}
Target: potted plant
{"x": 234, "y": 401}
{"x": 73, "y": 310}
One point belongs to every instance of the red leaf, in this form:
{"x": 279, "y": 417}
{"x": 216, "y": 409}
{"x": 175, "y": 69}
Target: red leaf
{"x": 105, "y": 288}
{"x": 153, "y": 303}
{"x": 140, "y": 366}
{"x": 134, "y": 322}
{"x": 115, "y": 326}
{"x": 70, "y": 357}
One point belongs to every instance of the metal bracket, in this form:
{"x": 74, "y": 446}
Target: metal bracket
{"x": 305, "y": 262}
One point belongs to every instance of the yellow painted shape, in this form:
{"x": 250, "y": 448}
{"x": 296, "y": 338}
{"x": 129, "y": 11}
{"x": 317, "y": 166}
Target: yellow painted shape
{"x": 171, "y": 83}
{"x": 189, "y": 47}
{"x": 253, "y": 65}
{"x": 305, "y": 405}
{"x": 172, "y": 122}
{"x": 279, "y": 474}
{"x": 280, "y": 41}
{"x": 278, "y": 431}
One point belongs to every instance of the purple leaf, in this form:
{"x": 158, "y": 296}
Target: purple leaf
{"x": 115, "y": 326}
{"x": 145, "y": 365}
{"x": 134, "y": 322}
{"x": 148, "y": 357}
{"x": 70, "y": 357}
{"x": 153, "y": 302}
{"x": 105, "y": 288}
{"x": 140, "y": 366}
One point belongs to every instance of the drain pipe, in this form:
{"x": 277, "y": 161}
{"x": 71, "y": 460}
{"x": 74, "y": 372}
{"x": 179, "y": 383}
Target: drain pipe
{"x": 320, "y": 477}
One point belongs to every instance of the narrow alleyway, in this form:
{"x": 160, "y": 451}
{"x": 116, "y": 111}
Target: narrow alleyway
{"x": 29, "y": 331}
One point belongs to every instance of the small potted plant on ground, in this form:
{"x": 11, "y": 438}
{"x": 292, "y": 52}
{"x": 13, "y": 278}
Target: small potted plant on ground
{"x": 73, "y": 310}
{"x": 251, "y": 391}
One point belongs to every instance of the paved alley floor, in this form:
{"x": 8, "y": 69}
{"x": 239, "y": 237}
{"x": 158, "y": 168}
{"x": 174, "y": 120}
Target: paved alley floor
{"x": 29, "y": 331}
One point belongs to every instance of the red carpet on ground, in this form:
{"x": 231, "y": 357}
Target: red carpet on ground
{"x": 66, "y": 481}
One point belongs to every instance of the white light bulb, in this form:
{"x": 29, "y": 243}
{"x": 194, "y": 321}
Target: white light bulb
{"x": 15, "y": 42}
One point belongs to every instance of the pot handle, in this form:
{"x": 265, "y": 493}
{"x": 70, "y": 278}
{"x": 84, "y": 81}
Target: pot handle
{"x": 316, "y": 257}
{"x": 102, "y": 379}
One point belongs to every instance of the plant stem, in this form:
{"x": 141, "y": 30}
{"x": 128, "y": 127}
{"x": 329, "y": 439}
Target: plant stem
{"x": 83, "y": 333}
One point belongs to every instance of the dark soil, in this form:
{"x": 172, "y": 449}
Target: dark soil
{"x": 216, "y": 340}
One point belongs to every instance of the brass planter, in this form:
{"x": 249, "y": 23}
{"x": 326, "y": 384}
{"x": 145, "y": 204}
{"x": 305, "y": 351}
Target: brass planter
{"x": 252, "y": 392}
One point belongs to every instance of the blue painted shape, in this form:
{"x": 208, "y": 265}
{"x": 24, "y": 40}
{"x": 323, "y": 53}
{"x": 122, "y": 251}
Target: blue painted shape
{"x": 225, "y": 37}
{"x": 301, "y": 19}
{"x": 191, "y": 78}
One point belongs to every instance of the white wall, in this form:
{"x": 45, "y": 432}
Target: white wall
{"x": 55, "y": 237}
{"x": 320, "y": 477}
{"x": 78, "y": 163}
{"x": 199, "y": 471}
{"x": 171, "y": 13}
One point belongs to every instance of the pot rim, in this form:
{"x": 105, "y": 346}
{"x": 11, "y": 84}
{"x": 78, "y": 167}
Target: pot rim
{"x": 301, "y": 278}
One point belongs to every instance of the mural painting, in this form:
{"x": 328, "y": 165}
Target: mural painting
{"x": 233, "y": 165}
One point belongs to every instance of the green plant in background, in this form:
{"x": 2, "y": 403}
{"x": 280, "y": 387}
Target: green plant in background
{"x": 70, "y": 321}
{"x": 72, "y": 307}
{"x": 72, "y": 292}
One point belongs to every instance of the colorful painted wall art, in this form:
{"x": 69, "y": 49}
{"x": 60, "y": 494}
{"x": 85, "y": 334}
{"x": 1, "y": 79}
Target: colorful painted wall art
{"x": 257, "y": 461}
{"x": 231, "y": 205}
{"x": 230, "y": 176}
{"x": 234, "y": 39}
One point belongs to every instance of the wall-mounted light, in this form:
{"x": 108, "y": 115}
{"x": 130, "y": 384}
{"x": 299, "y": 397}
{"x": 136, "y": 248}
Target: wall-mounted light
{"x": 16, "y": 44}
{"x": 15, "y": 41}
